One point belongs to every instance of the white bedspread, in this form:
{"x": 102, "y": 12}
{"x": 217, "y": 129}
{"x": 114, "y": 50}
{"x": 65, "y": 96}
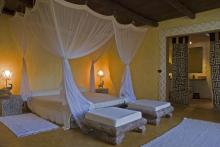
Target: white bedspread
{"x": 190, "y": 133}
{"x": 27, "y": 124}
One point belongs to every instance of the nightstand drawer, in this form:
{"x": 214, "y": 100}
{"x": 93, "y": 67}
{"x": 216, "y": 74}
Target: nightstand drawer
{"x": 102, "y": 90}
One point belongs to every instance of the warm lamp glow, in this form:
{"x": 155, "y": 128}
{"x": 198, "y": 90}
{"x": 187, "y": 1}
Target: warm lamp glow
{"x": 7, "y": 74}
{"x": 190, "y": 42}
{"x": 100, "y": 73}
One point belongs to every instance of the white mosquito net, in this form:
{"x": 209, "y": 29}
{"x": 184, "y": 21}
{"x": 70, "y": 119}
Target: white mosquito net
{"x": 71, "y": 31}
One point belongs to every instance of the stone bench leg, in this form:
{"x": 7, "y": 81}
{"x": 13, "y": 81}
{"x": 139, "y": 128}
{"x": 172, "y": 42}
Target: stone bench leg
{"x": 115, "y": 140}
{"x": 155, "y": 121}
{"x": 169, "y": 115}
{"x": 108, "y": 138}
{"x": 141, "y": 129}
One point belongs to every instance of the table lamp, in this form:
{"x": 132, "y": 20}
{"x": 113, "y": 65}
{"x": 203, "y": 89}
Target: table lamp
{"x": 7, "y": 74}
{"x": 101, "y": 75}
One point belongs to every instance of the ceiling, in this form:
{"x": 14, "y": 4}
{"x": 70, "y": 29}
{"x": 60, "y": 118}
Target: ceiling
{"x": 12, "y": 6}
{"x": 138, "y": 12}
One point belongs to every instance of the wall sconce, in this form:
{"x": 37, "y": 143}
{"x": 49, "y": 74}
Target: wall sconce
{"x": 101, "y": 75}
{"x": 7, "y": 74}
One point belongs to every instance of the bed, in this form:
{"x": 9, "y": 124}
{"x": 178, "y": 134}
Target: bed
{"x": 54, "y": 108}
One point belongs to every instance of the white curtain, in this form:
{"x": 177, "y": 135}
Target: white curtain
{"x": 21, "y": 38}
{"x": 128, "y": 40}
{"x": 92, "y": 76}
{"x": 25, "y": 90}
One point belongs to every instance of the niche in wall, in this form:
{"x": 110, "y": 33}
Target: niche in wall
{"x": 195, "y": 60}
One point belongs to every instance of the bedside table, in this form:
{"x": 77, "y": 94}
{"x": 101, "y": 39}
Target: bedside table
{"x": 102, "y": 90}
{"x": 10, "y": 105}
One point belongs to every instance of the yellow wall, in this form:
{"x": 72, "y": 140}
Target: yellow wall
{"x": 9, "y": 56}
{"x": 45, "y": 69}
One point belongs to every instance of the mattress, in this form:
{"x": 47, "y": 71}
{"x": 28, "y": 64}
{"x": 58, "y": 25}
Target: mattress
{"x": 149, "y": 105}
{"x": 113, "y": 116}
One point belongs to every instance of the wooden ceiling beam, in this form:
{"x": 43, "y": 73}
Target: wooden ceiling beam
{"x": 181, "y": 8}
{"x": 18, "y": 6}
{"x": 136, "y": 17}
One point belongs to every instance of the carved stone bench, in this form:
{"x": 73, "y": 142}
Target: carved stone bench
{"x": 153, "y": 111}
{"x": 110, "y": 124}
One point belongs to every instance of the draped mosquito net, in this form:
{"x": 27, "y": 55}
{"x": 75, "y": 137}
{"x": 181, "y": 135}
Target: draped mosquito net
{"x": 21, "y": 37}
{"x": 71, "y": 31}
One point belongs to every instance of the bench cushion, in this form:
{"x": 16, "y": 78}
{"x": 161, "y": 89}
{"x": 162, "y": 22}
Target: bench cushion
{"x": 148, "y": 105}
{"x": 113, "y": 116}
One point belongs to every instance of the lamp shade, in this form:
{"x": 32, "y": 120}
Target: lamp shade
{"x": 7, "y": 74}
{"x": 100, "y": 73}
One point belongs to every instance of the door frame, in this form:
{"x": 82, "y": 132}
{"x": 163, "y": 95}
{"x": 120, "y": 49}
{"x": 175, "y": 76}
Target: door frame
{"x": 178, "y": 31}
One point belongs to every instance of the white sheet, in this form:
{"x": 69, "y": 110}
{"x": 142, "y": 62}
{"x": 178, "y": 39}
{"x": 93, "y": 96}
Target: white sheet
{"x": 190, "y": 133}
{"x": 27, "y": 124}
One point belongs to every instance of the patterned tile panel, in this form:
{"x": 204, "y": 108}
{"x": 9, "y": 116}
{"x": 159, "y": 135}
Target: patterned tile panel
{"x": 215, "y": 70}
{"x": 180, "y": 87}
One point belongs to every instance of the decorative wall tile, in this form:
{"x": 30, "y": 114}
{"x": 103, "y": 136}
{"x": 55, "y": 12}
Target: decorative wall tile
{"x": 215, "y": 70}
{"x": 180, "y": 81}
